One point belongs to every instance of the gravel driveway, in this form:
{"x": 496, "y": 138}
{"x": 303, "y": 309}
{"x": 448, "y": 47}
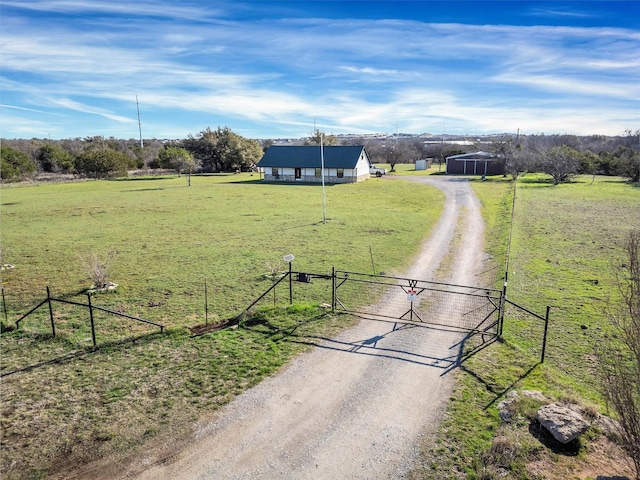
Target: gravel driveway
{"x": 355, "y": 407}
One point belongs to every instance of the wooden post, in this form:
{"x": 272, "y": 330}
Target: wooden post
{"x": 93, "y": 328}
{"x": 53, "y": 323}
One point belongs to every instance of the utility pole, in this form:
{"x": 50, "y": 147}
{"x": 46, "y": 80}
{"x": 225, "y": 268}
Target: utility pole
{"x": 324, "y": 205}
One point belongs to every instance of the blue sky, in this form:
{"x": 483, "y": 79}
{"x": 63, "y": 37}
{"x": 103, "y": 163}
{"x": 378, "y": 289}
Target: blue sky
{"x": 73, "y": 68}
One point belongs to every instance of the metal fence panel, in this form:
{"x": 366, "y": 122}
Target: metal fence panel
{"x": 419, "y": 301}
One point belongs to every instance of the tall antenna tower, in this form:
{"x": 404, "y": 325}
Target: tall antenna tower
{"x": 139, "y": 124}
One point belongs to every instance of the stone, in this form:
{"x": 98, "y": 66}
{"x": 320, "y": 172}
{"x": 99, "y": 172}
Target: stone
{"x": 609, "y": 426}
{"x": 535, "y": 394}
{"x": 564, "y": 423}
{"x": 504, "y": 411}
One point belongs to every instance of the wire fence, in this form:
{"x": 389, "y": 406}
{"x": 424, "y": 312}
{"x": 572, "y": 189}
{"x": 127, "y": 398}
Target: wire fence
{"x": 55, "y": 314}
{"x": 464, "y": 308}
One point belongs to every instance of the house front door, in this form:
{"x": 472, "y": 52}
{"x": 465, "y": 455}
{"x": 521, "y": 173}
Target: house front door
{"x": 298, "y": 173}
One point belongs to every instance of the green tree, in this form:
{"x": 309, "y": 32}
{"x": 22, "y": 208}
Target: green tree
{"x": 626, "y": 163}
{"x": 103, "y": 162}
{"x": 14, "y": 164}
{"x": 177, "y": 158}
{"x": 53, "y": 158}
{"x": 223, "y": 150}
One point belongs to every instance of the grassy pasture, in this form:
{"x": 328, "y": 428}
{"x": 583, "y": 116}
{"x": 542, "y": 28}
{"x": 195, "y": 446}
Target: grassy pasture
{"x": 566, "y": 243}
{"x": 62, "y": 403}
{"x": 170, "y": 237}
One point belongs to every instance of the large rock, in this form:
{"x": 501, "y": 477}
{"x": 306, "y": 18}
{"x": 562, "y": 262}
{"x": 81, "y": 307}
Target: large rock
{"x": 610, "y": 427}
{"x": 562, "y": 422}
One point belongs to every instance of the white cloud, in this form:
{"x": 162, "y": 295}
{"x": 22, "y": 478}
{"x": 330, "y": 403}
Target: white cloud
{"x": 69, "y": 104}
{"x": 353, "y": 74}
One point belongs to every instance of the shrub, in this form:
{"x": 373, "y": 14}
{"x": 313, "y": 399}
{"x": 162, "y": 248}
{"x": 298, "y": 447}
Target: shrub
{"x": 98, "y": 268}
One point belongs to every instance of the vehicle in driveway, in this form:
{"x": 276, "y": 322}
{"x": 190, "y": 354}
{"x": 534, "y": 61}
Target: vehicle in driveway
{"x": 378, "y": 172}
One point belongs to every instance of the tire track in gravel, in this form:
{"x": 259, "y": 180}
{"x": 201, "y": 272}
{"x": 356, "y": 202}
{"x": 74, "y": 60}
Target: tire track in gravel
{"x": 351, "y": 408}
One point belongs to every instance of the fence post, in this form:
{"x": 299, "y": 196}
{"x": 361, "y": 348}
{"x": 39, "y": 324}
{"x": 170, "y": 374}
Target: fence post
{"x": 290, "y": 286}
{"x": 4, "y": 307}
{"x": 503, "y": 305}
{"x": 333, "y": 289}
{"x": 544, "y": 338}
{"x": 93, "y": 328}
{"x": 53, "y": 323}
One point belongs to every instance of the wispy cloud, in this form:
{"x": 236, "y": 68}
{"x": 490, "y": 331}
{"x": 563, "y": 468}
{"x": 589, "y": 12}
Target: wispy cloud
{"x": 146, "y": 8}
{"x": 32, "y": 110}
{"x": 69, "y": 104}
{"x": 193, "y": 66}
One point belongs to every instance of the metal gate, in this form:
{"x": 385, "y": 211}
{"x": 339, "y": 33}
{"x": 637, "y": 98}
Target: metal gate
{"x": 414, "y": 301}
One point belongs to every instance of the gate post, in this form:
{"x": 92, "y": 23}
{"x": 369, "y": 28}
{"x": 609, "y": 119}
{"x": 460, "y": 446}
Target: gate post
{"x": 544, "y": 337}
{"x": 53, "y": 323}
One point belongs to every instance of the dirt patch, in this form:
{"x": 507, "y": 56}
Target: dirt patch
{"x": 603, "y": 460}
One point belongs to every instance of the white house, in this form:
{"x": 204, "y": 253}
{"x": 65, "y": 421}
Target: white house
{"x": 342, "y": 164}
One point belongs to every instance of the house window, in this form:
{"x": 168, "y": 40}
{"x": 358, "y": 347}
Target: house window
{"x": 318, "y": 172}
{"x": 274, "y": 171}
{"x": 340, "y": 173}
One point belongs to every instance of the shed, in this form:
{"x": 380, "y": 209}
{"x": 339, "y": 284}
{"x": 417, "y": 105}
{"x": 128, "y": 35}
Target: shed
{"x": 303, "y": 163}
{"x": 424, "y": 163}
{"x": 476, "y": 163}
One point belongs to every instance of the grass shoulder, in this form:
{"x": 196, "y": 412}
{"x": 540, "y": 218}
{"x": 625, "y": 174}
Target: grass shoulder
{"x": 565, "y": 241}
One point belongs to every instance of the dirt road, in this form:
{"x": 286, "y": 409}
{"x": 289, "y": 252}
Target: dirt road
{"x": 356, "y": 407}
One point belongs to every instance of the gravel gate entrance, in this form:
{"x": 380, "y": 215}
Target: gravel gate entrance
{"x": 355, "y": 407}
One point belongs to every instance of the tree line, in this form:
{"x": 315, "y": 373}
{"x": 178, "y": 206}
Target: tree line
{"x": 222, "y": 150}
{"x": 560, "y": 156}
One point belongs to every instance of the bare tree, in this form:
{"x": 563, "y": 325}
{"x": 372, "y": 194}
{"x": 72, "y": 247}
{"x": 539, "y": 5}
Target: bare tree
{"x": 620, "y": 357}
{"x": 394, "y": 152}
{"x": 514, "y": 153}
{"x": 318, "y": 136}
{"x": 561, "y": 163}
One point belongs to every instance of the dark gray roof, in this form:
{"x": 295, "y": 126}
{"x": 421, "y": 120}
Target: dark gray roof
{"x": 473, "y": 156}
{"x": 308, "y": 156}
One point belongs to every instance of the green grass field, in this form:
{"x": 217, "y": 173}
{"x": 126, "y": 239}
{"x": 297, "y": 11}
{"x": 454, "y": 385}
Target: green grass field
{"x": 61, "y": 400}
{"x": 170, "y": 238}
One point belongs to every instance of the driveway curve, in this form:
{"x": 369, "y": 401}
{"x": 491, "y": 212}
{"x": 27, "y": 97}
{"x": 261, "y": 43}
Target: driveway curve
{"x": 352, "y": 408}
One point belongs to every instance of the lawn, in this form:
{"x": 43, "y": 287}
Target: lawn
{"x": 64, "y": 403}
